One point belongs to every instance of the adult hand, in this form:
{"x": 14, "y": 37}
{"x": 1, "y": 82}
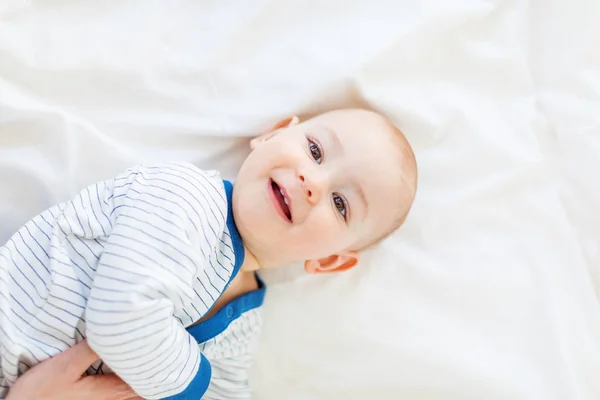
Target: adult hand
{"x": 60, "y": 378}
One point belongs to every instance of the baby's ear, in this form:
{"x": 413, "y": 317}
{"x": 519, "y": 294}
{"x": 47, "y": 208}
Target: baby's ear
{"x": 284, "y": 123}
{"x": 334, "y": 263}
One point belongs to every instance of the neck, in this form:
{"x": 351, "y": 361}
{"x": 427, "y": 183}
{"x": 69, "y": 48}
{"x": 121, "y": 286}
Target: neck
{"x": 250, "y": 261}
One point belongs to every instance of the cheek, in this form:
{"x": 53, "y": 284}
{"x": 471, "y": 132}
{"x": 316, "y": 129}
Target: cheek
{"x": 325, "y": 234}
{"x": 282, "y": 153}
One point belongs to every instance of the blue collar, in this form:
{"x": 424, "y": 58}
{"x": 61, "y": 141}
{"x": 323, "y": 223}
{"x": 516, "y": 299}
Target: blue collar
{"x": 219, "y": 322}
{"x": 236, "y": 239}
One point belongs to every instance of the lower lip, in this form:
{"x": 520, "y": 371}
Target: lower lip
{"x": 275, "y": 201}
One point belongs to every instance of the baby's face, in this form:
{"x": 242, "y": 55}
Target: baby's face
{"x": 317, "y": 189}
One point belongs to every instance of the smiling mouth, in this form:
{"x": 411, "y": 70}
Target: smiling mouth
{"x": 282, "y": 200}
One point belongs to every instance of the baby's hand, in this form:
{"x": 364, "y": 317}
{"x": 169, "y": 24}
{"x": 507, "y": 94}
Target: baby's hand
{"x": 60, "y": 378}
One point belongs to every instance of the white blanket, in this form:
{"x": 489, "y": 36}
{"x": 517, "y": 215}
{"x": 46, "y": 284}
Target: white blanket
{"x": 489, "y": 291}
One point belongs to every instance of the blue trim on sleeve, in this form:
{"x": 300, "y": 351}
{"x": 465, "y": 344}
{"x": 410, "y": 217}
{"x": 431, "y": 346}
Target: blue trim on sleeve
{"x": 199, "y": 385}
{"x": 220, "y": 321}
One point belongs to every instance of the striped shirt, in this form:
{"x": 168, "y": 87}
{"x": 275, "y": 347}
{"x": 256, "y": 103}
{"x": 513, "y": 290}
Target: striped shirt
{"x": 131, "y": 264}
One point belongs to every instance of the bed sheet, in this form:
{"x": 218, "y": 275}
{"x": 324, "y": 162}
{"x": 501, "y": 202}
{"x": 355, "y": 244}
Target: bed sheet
{"x": 490, "y": 290}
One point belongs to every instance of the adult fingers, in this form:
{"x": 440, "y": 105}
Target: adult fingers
{"x": 104, "y": 387}
{"x": 76, "y": 360}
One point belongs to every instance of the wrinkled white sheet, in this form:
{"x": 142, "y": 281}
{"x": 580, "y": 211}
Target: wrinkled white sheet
{"x": 491, "y": 289}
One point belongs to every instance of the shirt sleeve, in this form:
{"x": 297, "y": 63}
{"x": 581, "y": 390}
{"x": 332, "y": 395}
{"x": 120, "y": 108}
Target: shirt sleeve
{"x": 165, "y": 221}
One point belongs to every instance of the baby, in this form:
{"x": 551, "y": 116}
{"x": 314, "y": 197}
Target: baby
{"x": 156, "y": 268}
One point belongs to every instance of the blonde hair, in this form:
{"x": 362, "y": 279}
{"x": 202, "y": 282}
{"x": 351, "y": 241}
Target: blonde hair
{"x": 408, "y": 177}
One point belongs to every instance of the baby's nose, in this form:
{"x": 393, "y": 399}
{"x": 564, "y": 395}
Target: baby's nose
{"x": 313, "y": 185}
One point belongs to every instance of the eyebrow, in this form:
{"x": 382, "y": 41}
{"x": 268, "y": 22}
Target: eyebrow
{"x": 335, "y": 137}
{"x": 362, "y": 196}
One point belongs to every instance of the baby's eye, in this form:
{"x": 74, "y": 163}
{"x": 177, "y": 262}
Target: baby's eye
{"x": 340, "y": 204}
{"x": 315, "y": 151}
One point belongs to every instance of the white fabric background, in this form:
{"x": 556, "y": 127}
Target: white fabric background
{"x": 490, "y": 290}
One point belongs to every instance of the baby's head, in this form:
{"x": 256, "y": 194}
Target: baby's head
{"x": 323, "y": 189}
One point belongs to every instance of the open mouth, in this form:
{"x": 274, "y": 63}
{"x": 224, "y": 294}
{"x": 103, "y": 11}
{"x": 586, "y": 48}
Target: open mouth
{"x": 281, "y": 200}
